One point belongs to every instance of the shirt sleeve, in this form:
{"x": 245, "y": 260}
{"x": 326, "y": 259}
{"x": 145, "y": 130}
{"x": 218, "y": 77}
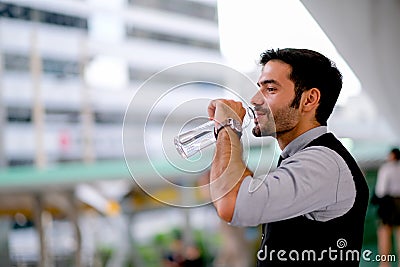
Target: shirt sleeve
{"x": 304, "y": 183}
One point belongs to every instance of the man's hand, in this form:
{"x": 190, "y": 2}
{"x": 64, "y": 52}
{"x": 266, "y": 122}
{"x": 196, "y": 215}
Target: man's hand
{"x": 222, "y": 109}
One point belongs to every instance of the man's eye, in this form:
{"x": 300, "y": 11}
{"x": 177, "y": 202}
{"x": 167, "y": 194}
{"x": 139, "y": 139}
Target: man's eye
{"x": 271, "y": 89}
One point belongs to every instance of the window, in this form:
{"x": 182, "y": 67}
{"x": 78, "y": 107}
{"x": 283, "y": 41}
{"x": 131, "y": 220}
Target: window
{"x": 19, "y": 114}
{"x": 61, "y": 68}
{"x": 56, "y": 67}
{"x": 16, "y": 63}
{"x": 190, "y": 8}
{"x": 30, "y": 14}
{"x": 133, "y": 31}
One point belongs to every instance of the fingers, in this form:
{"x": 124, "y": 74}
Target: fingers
{"x": 221, "y": 109}
{"x": 211, "y": 109}
{"x": 216, "y": 104}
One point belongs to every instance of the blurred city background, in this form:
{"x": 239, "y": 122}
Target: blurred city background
{"x": 68, "y": 71}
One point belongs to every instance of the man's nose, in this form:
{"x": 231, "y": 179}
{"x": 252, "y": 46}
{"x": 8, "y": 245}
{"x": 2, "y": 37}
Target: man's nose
{"x": 257, "y": 99}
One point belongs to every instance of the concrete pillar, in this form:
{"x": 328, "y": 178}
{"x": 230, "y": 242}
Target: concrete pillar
{"x": 5, "y": 224}
{"x": 37, "y": 105}
{"x": 73, "y": 214}
{"x": 38, "y": 207}
{"x": 87, "y": 120}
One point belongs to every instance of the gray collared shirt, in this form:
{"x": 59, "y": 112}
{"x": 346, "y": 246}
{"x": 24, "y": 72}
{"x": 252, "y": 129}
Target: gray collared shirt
{"x": 315, "y": 182}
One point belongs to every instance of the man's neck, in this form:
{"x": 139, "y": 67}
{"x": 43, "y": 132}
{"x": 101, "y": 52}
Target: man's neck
{"x": 284, "y": 138}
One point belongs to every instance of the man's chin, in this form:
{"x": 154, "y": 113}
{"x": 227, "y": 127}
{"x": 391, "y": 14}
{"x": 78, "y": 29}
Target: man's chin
{"x": 257, "y": 132}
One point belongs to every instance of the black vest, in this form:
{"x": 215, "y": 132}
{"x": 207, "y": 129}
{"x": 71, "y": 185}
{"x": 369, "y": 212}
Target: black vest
{"x": 305, "y": 242}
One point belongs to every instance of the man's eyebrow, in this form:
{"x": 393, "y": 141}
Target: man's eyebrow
{"x": 264, "y": 82}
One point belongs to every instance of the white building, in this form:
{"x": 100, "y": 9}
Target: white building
{"x": 44, "y": 45}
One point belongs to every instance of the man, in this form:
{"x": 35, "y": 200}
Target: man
{"x": 312, "y": 207}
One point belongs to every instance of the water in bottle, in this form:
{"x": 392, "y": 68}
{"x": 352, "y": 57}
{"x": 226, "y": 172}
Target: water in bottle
{"x": 193, "y": 141}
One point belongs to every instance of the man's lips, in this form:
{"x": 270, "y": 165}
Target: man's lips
{"x": 257, "y": 116}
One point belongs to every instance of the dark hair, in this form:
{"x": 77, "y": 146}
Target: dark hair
{"x": 310, "y": 69}
{"x": 396, "y": 153}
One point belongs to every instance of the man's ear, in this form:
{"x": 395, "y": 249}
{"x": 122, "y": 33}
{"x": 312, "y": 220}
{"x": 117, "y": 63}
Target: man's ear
{"x": 311, "y": 99}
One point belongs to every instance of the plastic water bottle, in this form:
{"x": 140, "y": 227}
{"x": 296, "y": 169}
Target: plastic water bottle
{"x": 191, "y": 142}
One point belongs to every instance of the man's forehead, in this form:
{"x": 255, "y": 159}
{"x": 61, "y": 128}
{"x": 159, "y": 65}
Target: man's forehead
{"x": 274, "y": 69}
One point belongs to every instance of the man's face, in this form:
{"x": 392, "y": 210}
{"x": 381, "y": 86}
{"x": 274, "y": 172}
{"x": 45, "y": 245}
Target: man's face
{"x": 275, "y": 94}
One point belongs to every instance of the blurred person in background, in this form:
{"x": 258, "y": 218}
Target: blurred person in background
{"x": 193, "y": 257}
{"x": 317, "y": 196}
{"x": 387, "y": 192}
{"x": 182, "y": 255}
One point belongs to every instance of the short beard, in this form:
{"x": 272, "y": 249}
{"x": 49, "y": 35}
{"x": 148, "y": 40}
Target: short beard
{"x": 280, "y": 123}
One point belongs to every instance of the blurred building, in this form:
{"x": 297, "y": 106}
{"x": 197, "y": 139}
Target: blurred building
{"x": 70, "y": 68}
{"x": 68, "y": 71}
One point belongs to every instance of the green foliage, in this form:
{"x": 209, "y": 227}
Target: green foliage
{"x": 104, "y": 254}
{"x": 152, "y": 252}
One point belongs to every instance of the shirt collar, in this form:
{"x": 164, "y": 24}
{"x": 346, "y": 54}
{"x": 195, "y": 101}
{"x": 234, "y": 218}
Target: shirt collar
{"x": 302, "y": 140}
